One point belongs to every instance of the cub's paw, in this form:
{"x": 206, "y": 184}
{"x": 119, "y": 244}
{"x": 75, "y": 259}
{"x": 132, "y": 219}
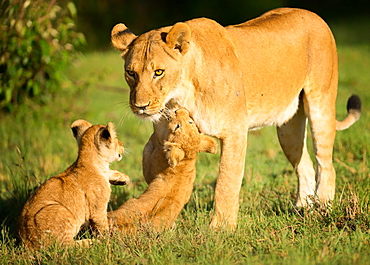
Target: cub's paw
{"x": 118, "y": 178}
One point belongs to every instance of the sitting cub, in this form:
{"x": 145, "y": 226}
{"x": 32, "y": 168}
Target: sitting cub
{"x": 170, "y": 172}
{"x": 64, "y": 203}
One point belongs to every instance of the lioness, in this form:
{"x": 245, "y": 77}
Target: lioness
{"x": 169, "y": 169}
{"x": 64, "y": 203}
{"x": 278, "y": 69}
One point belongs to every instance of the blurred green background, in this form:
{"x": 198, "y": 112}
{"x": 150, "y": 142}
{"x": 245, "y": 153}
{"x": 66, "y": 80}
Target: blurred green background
{"x": 96, "y": 18}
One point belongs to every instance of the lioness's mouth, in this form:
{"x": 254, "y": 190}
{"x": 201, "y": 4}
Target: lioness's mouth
{"x": 152, "y": 112}
{"x": 152, "y": 116}
{"x": 143, "y": 114}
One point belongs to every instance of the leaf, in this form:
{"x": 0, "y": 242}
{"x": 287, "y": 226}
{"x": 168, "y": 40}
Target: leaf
{"x": 26, "y": 4}
{"x": 36, "y": 89}
{"x": 8, "y": 94}
{"x": 72, "y": 9}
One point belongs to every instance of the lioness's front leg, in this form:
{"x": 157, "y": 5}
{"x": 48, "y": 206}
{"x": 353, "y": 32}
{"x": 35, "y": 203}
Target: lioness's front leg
{"x": 233, "y": 151}
{"x": 147, "y": 153}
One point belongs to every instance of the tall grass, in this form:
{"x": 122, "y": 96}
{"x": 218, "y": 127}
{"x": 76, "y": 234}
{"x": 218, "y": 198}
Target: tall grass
{"x": 36, "y": 143}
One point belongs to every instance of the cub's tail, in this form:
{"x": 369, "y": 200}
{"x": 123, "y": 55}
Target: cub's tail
{"x": 353, "y": 113}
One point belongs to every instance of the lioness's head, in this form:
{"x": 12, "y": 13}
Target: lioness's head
{"x": 182, "y": 139}
{"x": 152, "y": 65}
{"x": 98, "y": 138}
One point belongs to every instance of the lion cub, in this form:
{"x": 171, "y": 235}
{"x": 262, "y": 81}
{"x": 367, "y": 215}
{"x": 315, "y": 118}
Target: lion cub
{"x": 64, "y": 203}
{"x": 170, "y": 172}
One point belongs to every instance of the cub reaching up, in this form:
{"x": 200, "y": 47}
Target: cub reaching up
{"x": 170, "y": 172}
{"x": 64, "y": 203}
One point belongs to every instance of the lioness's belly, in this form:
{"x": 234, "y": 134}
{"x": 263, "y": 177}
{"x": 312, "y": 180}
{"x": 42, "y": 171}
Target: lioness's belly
{"x": 275, "y": 115}
{"x": 257, "y": 114}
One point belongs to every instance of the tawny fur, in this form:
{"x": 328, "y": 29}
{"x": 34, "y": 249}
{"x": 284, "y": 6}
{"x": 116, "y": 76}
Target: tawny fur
{"x": 64, "y": 203}
{"x": 278, "y": 69}
{"x": 169, "y": 169}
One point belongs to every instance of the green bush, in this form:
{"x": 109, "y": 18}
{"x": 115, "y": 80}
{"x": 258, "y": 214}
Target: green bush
{"x": 38, "y": 41}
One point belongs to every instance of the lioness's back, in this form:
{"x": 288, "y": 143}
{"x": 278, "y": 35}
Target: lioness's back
{"x": 282, "y": 20}
{"x": 279, "y": 31}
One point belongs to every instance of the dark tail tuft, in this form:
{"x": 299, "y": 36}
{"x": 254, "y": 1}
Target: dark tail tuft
{"x": 354, "y": 103}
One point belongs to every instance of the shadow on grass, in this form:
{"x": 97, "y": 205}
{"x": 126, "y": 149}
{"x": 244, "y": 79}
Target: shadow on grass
{"x": 9, "y": 211}
{"x": 12, "y": 200}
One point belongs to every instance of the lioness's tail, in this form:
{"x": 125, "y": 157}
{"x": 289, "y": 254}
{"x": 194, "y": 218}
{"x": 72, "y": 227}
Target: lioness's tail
{"x": 353, "y": 113}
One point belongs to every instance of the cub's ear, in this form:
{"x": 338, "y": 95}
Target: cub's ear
{"x": 121, "y": 37}
{"x": 79, "y": 127}
{"x": 112, "y": 129}
{"x": 179, "y": 37}
{"x": 108, "y": 132}
{"x": 173, "y": 154}
{"x": 207, "y": 144}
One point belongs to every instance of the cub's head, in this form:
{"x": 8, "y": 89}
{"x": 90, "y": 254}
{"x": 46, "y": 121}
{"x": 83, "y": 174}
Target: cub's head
{"x": 182, "y": 139}
{"x": 97, "y": 138}
{"x": 153, "y": 66}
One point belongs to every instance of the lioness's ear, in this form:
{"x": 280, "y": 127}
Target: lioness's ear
{"x": 79, "y": 127}
{"x": 173, "y": 154}
{"x": 207, "y": 144}
{"x": 179, "y": 37}
{"x": 121, "y": 37}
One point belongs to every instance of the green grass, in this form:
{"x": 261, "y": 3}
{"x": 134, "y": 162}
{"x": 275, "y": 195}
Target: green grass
{"x": 36, "y": 143}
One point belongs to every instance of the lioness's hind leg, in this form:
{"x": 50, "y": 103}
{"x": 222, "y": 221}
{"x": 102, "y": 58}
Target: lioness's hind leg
{"x": 320, "y": 92}
{"x": 321, "y": 115}
{"x": 292, "y": 138}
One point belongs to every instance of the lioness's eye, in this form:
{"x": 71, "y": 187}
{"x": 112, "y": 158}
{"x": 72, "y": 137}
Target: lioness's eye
{"x": 130, "y": 72}
{"x": 177, "y": 127}
{"x": 158, "y": 72}
{"x": 191, "y": 122}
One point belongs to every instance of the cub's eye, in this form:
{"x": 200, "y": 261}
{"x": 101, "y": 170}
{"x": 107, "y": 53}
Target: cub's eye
{"x": 178, "y": 126}
{"x": 158, "y": 72}
{"x": 130, "y": 73}
{"x": 191, "y": 122}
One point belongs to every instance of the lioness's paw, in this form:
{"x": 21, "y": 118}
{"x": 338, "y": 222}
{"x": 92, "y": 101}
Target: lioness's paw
{"x": 222, "y": 225}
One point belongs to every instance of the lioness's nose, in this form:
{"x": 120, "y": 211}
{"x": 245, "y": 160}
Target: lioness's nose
{"x": 142, "y": 106}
